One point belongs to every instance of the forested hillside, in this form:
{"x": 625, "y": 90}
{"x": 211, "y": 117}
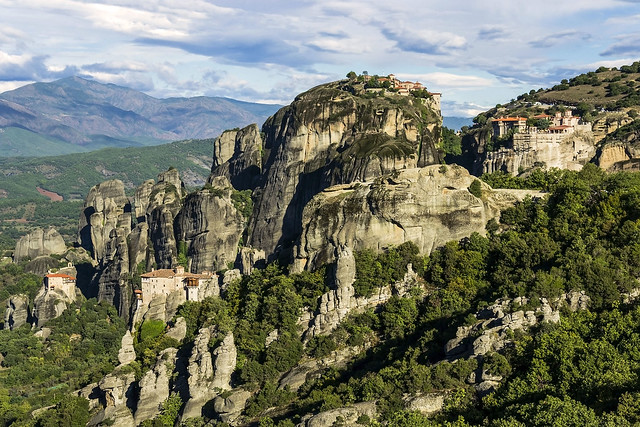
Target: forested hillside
{"x": 582, "y": 370}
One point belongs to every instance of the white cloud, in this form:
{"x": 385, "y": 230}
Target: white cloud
{"x": 448, "y": 80}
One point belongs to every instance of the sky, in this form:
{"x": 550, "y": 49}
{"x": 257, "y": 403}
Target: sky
{"x": 476, "y": 53}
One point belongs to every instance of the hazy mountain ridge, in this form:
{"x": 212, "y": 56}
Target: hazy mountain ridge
{"x": 88, "y": 115}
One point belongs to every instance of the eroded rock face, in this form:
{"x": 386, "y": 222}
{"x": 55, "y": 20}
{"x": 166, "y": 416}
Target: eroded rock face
{"x": 328, "y": 136}
{"x": 428, "y": 206}
{"x": 348, "y": 415}
{"x": 49, "y": 304}
{"x": 127, "y": 353}
{"x": 39, "y": 243}
{"x": 229, "y": 408}
{"x": 342, "y": 301}
{"x": 207, "y": 375}
{"x": 17, "y": 311}
{"x": 113, "y": 391}
{"x": 106, "y": 208}
{"x": 237, "y": 155}
{"x": 570, "y": 152}
{"x": 154, "y": 386}
{"x": 211, "y": 227}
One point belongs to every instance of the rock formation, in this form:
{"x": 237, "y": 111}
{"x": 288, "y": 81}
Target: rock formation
{"x": 154, "y": 386}
{"x": 49, "y": 304}
{"x": 17, "y": 311}
{"x": 237, "y": 155}
{"x": 113, "y": 392}
{"x": 329, "y": 136}
{"x": 210, "y": 227}
{"x": 206, "y": 376}
{"x": 428, "y": 206}
{"x": 126, "y": 354}
{"x": 106, "y": 208}
{"x": 38, "y": 243}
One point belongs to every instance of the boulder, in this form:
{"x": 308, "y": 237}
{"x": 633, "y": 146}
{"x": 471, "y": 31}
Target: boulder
{"x": 347, "y": 416}
{"x": 230, "y": 407}
{"x": 17, "y": 311}
{"x": 39, "y": 243}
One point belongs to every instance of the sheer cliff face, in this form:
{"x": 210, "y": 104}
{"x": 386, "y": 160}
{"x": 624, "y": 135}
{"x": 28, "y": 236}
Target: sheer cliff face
{"x": 428, "y": 206}
{"x": 329, "y": 136}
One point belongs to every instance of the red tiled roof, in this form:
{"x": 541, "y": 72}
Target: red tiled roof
{"x": 64, "y": 276}
{"x": 541, "y": 116}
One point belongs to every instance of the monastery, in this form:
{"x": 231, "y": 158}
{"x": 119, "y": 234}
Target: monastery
{"x": 559, "y": 124}
{"x": 166, "y": 281}
{"x": 62, "y": 283}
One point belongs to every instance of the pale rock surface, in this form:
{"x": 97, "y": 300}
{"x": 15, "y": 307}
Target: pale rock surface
{"x": 126, "y": 354}
{"x": 106, "y": 208}
{"x": 237, "y": 155}
{"x": 349, "y": 415}
{"x": 17, "y": 311}
{"x": 250, "y": 258}
{"x": 114, "y": 390}
{"x": 154, "y": 386}
{"x": 229, "y": 408}
{"x": 211, "y": 227}
{"x": 38, "y": 243}
{"x": 229, "y": 277}
{"x": 178, "y": 330}
{"x": 328, "y": 136}
{"x": 207, "y": 377}
{"x": 50, "y": 304}
{"x": 428, "y": 206}
{"x": 426, "y": 404}
{"x": 341, "y": 301}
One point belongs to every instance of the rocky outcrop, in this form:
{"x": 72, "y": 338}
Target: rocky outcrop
{"x": 237, "y": 155}
{"x": 428, "y": 206}
{"x": 49, "y": 304}
{"x": 154, "y": 386}
{"x": 330, "y": 136}
{"x": 347, "y": 416}
{"x": 210, "y": 227}
{"x": 230, "y": 408}
{"x": 527, "y": 151}
{"x": 426, "y": 404}
{"x": 127, "y": 353}
{"x": 106, "y": 208}
{"x": 341, "y": 301}
{"x": 250, "y": 259}
{"x": 112, "y": 279}
{"x": 113, "y": 392}
{"x": 17, "y": 312}
{"x": 39, "y": 243}
{"x": 495, "y": 325}
{"x": 225, "y": 363}
{"x": 206, "y": 376}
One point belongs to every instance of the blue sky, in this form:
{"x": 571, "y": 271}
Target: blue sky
{"x": 477, "y": 53}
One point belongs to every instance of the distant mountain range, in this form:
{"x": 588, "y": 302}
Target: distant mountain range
{"x": 78, "y": 115}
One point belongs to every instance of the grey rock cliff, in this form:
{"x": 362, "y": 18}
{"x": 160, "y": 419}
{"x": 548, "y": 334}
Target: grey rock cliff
{"x": 38, "y": 243}
{"x": 211, "y": 227}
{"x": 154, "y": 386}
{"x": 206, "y": 375}
{"x": 17, "y": 311}
{"x": 48, "y": 305}
{"x": 329, "y": 136}
{"x": 428, "y": 206}
{"x": 106, "y": 208}
{"x": 237, "y": 155}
